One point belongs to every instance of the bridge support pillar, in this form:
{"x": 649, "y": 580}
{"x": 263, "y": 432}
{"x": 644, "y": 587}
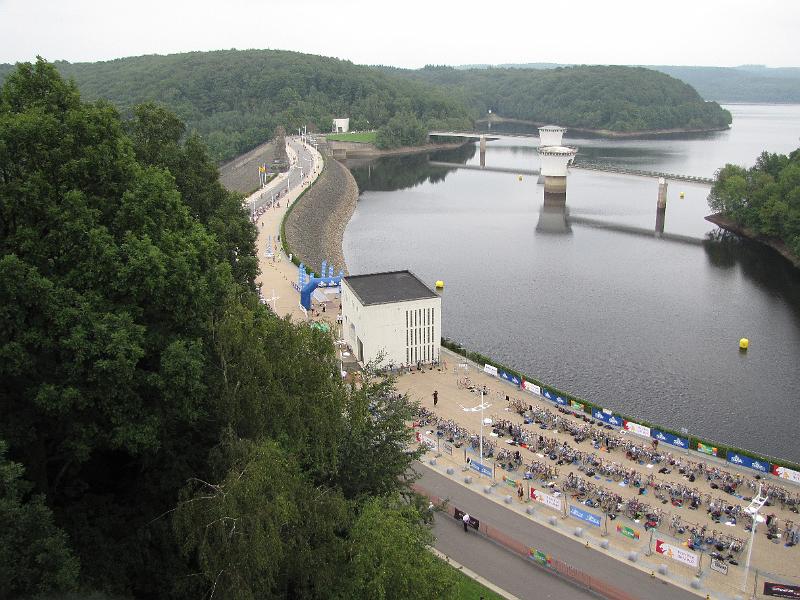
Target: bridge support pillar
{"x": 661, "y": 205}
{"x": 555, "y": 184}
{"x": 483, "y": 150}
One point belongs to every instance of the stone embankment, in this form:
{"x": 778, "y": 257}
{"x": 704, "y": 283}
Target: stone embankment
{"x": 727, "y": 224}
{"x": 241, "y": 173}
{"x": 315, "y": 226}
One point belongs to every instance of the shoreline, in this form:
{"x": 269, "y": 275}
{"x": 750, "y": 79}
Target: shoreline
{"x": 345, "y": 150}
{"x": 727, "y": 224}
{"x": 608, "y": 133}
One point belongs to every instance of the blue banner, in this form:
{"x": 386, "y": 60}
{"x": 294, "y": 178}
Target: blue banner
{"x": 586, "y": 516}
{"x": 482, "y": 469}
{"x": 750, "y": 463}
{"x": 548, "y": 394}
{"x": 512, "y": 379}
{"x": 668, "y": 438}
{"x": 605, "y": 417}
{"x": 561, "y": 400}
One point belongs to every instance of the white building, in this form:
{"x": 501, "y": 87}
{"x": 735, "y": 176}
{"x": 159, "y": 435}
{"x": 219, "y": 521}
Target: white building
{"x": 341, "y": 125}
{"x": 392, "y": 313}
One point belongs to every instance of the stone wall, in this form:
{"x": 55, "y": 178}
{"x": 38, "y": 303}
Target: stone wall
{"x": 315, "y": 226}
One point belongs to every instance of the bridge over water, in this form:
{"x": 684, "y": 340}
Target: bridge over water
{"x": 577, "y": 163}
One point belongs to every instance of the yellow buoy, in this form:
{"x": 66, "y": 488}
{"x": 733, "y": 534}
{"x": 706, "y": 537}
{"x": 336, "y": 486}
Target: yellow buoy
{"x": 744, "y": 343}
{"x": 520, "y": 177}
{"x": 439, "y": 284}
{"x": 682, "y": 195}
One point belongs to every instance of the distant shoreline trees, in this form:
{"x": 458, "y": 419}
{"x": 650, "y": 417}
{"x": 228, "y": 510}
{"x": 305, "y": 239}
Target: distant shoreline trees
{"x": 764, "y": 198}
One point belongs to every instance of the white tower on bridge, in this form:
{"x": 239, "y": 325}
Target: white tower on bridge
{"x": 555, "y": 158}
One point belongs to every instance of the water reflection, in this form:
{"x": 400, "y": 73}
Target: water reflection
{"x": 554, "y": 214}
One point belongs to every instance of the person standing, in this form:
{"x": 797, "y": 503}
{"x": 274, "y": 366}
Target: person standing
{"x": 465, "y": 520}
{"x": 435, "y": 397}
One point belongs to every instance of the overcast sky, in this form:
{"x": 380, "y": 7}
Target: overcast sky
{"x": 412, "y": 33}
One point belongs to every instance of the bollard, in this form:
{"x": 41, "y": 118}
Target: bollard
{"x": 432, "y": 462}
{"x": 508, "y": 500}
{"x": 553, "y": 521}
{"x": 530, "y": 511}
{"x": 604, "y": 544}
{"x": 696, "y": 583}
{"x": 487, "y": 489}
{"x": 578, "y": 532}
{"x": 450, "y": 470}
{"x": 467, "y": 479}
{"x": 633, "y": 556}
{"x": 663, "y": 569}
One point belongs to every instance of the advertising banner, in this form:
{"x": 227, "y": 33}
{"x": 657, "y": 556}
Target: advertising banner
{"x": 720, "y": 566}
{"x": 706, "y": 449}
{"x": 531, "y": 387}
{"x": 577, "y": 405}
{"x": 458, "y": 514}
{"x": 509, "y": 481}
{"x": 668, "y": 438}
{"x": 538, "y": 556}
{"x": 780, "y": 590}
{"x": 482, "y": 469}
{"x": 548, "y": 500}
{"x": 750, "y": 463}
{"x": 585, "y": 516}
{"x": 490, "y": 369}
{"x": 637, "y": 429}
{"x": 607, "y": 417}
{"x": 448, "y": 448}
{"x": 561, "y": 400}
{"x": 628, "y": 532}
{"x": 677, "y": 553}
{"x": 787, "y": 474}
{"x": 512, "y": 379}
{"x": 548, "y": 394}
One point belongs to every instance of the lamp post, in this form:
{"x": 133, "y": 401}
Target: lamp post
{"x": 481, "y": 407}
{"x": 755, "y": 505}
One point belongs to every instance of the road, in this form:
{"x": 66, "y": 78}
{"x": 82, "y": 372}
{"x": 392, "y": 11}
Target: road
{"x": 592, "y": 561}
{"x": 503, "y": 568}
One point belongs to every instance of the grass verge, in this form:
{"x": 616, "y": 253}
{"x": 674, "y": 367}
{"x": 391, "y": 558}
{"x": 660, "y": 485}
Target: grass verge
{"x": 359, "y": 137}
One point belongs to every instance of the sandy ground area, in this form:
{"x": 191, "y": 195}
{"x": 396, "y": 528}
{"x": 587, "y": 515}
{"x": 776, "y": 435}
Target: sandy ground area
{"x": 767, "y": 556}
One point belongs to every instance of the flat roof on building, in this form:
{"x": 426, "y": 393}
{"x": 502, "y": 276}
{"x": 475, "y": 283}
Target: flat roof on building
{"x": 393, "y": 286}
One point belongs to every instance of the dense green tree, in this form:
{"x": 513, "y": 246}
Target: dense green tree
{"x": 34, "y": 553}
{"x": 764, "y": 198}
{"x": 152, "y": 401}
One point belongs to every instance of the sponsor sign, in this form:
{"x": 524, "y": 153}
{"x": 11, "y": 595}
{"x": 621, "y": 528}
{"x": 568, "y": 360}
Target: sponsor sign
{"x": 548, "y": 500}
{"x": 512, "y": 379}
{"x": 577, "y": 405}
{"x": 628, "y": 532}
{"x": 608, "y": 417}
{"x": 428, "y": 441}
{"x": 458, "y": 514}
{"x": 668, "y": 438}
{"x": 750, "y": 463}
{"x": 538, "y": 556}
{"x": 548, "y": 394}
{"x": 780, "y": 590}
{"x": 490, "y": 369}
{"x": 677, "y": 553}
{"x": 637, "y": 429}
{"x": 787, "y": 474}
{"x": 510, "y": 481}
{"x": 531, "y": 387}
{"x": 561, "y": 400}
{"x": 482, "y": 469}
{"x": 585, "y": 516}
{"x": 706, "y": 449}
{"x": 448, "y": 448}
{"x": 720, "y": 566}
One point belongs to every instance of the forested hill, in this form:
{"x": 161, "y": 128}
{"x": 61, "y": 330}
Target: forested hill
{"x": 235, "y": 99}
{"x": 619, "y": 99}
{"x": 741, "y": 84}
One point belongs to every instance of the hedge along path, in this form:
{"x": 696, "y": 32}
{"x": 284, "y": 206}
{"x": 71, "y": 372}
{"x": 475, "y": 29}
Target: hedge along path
{"x": 767, "y": 556}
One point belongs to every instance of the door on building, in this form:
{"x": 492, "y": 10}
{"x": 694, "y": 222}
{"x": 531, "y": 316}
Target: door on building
{"x": 360, "y": 350}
